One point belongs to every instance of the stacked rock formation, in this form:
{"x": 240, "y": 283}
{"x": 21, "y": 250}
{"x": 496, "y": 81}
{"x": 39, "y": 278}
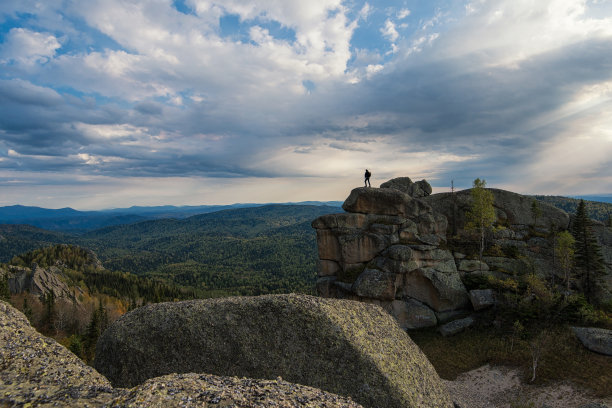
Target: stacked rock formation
{"x": 348, "y": 348}
{"x": 387, "y": 248}
{"x": 406, "y": 250}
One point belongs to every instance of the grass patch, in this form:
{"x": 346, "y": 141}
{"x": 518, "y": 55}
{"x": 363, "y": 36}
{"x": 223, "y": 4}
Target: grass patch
{"x": 563, "y": 356}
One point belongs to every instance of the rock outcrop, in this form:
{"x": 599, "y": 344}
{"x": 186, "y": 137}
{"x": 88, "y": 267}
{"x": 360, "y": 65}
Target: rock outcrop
{"x": 386, "y": 249}
{"x": 37, "y": 281}
{"x": 419, "y": 189}
{"x": 512, "y": 209}
{"x": 349, "y": 348}
{"x": 397, "y": 245}
{"x": 37, "y": 371}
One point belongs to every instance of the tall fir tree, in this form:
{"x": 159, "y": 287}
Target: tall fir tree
{"x": 588, "y": 259}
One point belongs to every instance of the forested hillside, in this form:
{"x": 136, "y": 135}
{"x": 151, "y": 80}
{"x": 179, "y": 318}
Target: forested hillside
{"x": 596, "y": 210}
{"x": 267, "y": 249}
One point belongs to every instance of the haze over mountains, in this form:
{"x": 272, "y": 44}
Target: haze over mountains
{"x": 71, "y": 220}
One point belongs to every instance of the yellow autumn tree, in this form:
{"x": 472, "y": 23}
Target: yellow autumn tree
{"x": 481, "y": 215}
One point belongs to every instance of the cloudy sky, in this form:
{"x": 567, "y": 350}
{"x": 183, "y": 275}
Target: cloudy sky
{"x": 112, "y": 103}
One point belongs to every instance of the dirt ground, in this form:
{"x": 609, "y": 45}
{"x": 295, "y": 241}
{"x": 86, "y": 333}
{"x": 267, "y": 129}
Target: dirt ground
{"x": 500, "y": 387}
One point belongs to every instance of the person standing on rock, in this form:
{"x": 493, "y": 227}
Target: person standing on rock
{"x": 367, "y": 178}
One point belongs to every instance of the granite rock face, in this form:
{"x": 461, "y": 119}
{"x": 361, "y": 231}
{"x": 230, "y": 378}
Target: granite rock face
{"x": 514, "y": 209}
{"x": 349, "y": 348}
{"x": 37, "y": 281}
{"x": 206, "y": 390}
{"x": 419, "y": 189}
{"x": 389, "y": 247}
{"x": 396, "y": 244}
{"x": 37, "y": 371}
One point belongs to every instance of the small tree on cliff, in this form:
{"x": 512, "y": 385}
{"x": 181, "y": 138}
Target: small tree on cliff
{"x": 564, "y": 251}
{"x": 536, "y": 212}
{"x": 481, "y": 214}
{"x": 588, "y": 258}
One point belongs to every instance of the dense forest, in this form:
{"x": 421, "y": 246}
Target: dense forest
{"x": 268, "y": 249}
{"x": 94, "y": 298}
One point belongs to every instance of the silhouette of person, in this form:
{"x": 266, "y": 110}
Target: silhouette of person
{"x": 367, "y": 178}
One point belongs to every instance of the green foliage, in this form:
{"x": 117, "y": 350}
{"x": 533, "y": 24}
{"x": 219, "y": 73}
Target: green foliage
{"x": 5, "y": 293}
{"x": 564, "y": 252}
{"x": 595, "y": 209}
{"x": 250, "y": 251}
{"x": 588, "y": 258}
{"x": 27, "y": 309}
{"x": 81, "y": 268}
{"x": 481, "y": 214}
{"x": 511, "y": 251}
{"x": 98, "y": 323}
{"x": 47, "y": 323}
{"x": 76, "y": 345}
{"x": 536, "y": 212}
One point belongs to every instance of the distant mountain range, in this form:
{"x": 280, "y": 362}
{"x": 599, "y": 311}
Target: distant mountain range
{"x": 71, "y": 220}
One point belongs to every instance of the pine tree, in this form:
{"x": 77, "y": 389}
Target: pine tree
{"x": 588, "y": 258}
{"x": 536, "y": 212}
{"x": 97, "y": 325}
{"x": 27, "y": 309}
{"x": 481, "y": 215}
{"x": 5, "y": 293}
{"x": 49, "y": 313}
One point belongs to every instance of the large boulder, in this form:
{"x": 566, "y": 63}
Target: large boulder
{"x": 595, "y": 339}
{"x": 419, "y": 189}
{"x": 37, "y": 371}
{"x": 412, "y": 314}
{"x": 439, "y": 290}
{"x": 384, "y": 201}
{"x": 350, "y": 348}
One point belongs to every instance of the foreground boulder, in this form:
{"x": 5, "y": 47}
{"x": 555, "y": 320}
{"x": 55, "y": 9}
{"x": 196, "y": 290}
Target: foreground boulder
{"x": 205, "y": 390}
{"x": 37, "y": 371}
{"x": 349, "y": 348}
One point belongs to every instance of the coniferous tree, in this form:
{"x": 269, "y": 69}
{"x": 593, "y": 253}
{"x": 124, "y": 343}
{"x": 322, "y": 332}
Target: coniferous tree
{"x": 536, "y": 212}
{"x": 49, "y": 312}
{"x": 5, "y": 293}
{"x": 588, "y": 258}
{"x": 27, "y": 309}
{"x": 97, "y": 325}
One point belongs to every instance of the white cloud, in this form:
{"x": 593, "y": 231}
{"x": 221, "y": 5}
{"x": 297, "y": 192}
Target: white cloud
{"x": 403, "y": 13}
{"x": 28, "y": 47}
{"x": 389, "y": 31}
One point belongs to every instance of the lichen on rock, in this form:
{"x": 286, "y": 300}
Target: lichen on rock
{"x": 348, "y": 348}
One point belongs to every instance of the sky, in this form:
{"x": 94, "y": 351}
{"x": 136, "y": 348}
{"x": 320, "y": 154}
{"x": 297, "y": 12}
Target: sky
{"x": 113, "y": 103}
